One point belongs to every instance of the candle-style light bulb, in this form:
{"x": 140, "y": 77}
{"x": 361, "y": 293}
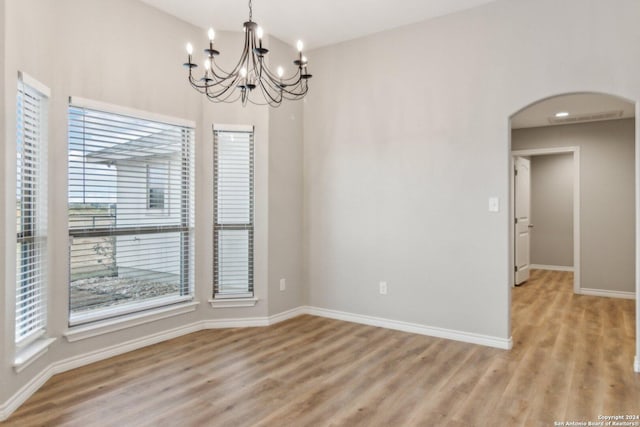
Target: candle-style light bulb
{"x": 299, "y": 45}
{"x": 304, "y": 60}
{"x": 211, "y": 34}
{"x": 280, "y": 72}
{"x": 189, "y": 49}
{"x": 207, "y": 64}
{"x": 260, "y": 33}
{"x": 243, "y": 72}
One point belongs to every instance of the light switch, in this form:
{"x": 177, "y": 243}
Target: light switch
{"x": 494, "y": 204}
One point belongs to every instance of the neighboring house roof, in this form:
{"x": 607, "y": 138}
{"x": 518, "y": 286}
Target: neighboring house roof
{"x": 152, "y": 146}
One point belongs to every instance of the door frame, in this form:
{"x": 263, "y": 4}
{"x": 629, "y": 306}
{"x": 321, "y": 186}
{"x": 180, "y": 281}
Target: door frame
{"x": 576, "y": 201}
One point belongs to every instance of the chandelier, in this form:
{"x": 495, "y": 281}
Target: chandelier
{"x": 250, "y": 80}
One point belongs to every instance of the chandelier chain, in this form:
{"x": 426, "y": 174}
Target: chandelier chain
{"x": 250, "y": 11}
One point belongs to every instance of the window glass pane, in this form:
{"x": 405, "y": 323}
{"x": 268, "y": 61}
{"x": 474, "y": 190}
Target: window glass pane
{"x": 31, "y": 213}
{"x": 124, "y": 172}
{"x": 233, "y": 213}
{"x": 234, "y": 249}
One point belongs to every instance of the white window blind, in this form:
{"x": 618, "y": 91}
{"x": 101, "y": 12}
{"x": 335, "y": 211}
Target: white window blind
{"x": 130, "y": 213}
{"x": 31, "y": 210}
{"x": 233, "y": 214}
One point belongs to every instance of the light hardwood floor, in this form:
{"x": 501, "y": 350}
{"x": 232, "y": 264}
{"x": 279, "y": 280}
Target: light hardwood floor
{"x": 572, "y": 361}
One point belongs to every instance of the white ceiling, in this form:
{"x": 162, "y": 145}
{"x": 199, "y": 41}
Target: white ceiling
{"x": 316, "y": 22}
{"x": 581, "y": 104}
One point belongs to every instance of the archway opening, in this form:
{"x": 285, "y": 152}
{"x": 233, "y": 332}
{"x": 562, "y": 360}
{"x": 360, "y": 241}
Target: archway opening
{"x": 573, "y": 241}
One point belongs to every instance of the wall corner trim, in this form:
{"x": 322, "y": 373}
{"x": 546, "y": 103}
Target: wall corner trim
{"x": 636, "y": 364}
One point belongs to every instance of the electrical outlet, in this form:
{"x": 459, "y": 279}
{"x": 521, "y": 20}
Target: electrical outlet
{"x": 383, "y": 288}
{"x": 494, "y": 204}
{"x": 283, "y": 284}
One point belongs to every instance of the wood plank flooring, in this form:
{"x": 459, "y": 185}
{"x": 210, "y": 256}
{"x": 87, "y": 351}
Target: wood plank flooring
{"x": 572, "y": 361}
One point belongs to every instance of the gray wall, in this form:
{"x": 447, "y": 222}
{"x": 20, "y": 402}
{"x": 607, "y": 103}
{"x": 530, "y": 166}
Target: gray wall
{"x": 552, "y": 210}
{"x": 607, "y": 202}
{"x": 126, "y": 53}
{"x": 285, "y": 197}
{"x": 406, "y": 137}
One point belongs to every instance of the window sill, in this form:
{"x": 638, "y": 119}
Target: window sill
{"x": 77, "y": 333}
{"x": 116, "y": 312}
{"x": 30, "y": 353}
{"x": 233, "y": 302}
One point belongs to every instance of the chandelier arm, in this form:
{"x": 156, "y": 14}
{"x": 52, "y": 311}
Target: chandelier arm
{"x": 219, "y": 93}
{"x": 294, "y": 79}
{"x": 266, "y": 92}
{"x": 225, "y": 99}
{"x": 270, "y": 75}
{"x": 230, "y": 96}
{"x": 287, "y": 81}
{"x": 204, "y": 87}
{"x": 220, "y": 88}
{"x": 297, "y": 95}
{"x": 224, "y": 76}
{"x": 297, "y": 90}
{"x": 267, "y": 101}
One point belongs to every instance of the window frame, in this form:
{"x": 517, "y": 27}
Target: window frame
{"x": 163, "y": 187}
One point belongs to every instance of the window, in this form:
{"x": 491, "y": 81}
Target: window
{"x": 124, "y": 165}
{"x": 156, "y": 198}
{"x": 157, "y": 183}
{"x": 31, "y": 210}
{"x": 233, "y": 213}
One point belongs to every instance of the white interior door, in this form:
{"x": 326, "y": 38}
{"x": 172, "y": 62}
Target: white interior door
{"x": 522, "y": 204}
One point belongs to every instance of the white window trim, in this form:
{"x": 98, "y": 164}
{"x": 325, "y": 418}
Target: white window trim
{"x": 28, "y": 354}
{"x": 30, "y": 81}
{"x": 233, "y": 128}
{"x": 226, "y": 302}
{"x": 106, "y": 326}
{"x": 76, "y": 319}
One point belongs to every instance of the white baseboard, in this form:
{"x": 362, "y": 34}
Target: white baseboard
{"x": 636, "y": 364}
{"x": 246, "y": 322}
{"x": 608, "y": 294}
{"x": 252, "y": 322}
{"x": 14, "y": 402}
{"x": 286, "y": 315}
{"x": 115, "y": 350}
{"x": 551, "y": 267}
{"x": 414, "y": 328}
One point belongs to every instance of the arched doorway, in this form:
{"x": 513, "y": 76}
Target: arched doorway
{"x": 599, "y": 132}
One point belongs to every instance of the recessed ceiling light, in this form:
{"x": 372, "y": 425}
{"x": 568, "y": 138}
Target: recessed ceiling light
{"x": 562, "y": 114}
